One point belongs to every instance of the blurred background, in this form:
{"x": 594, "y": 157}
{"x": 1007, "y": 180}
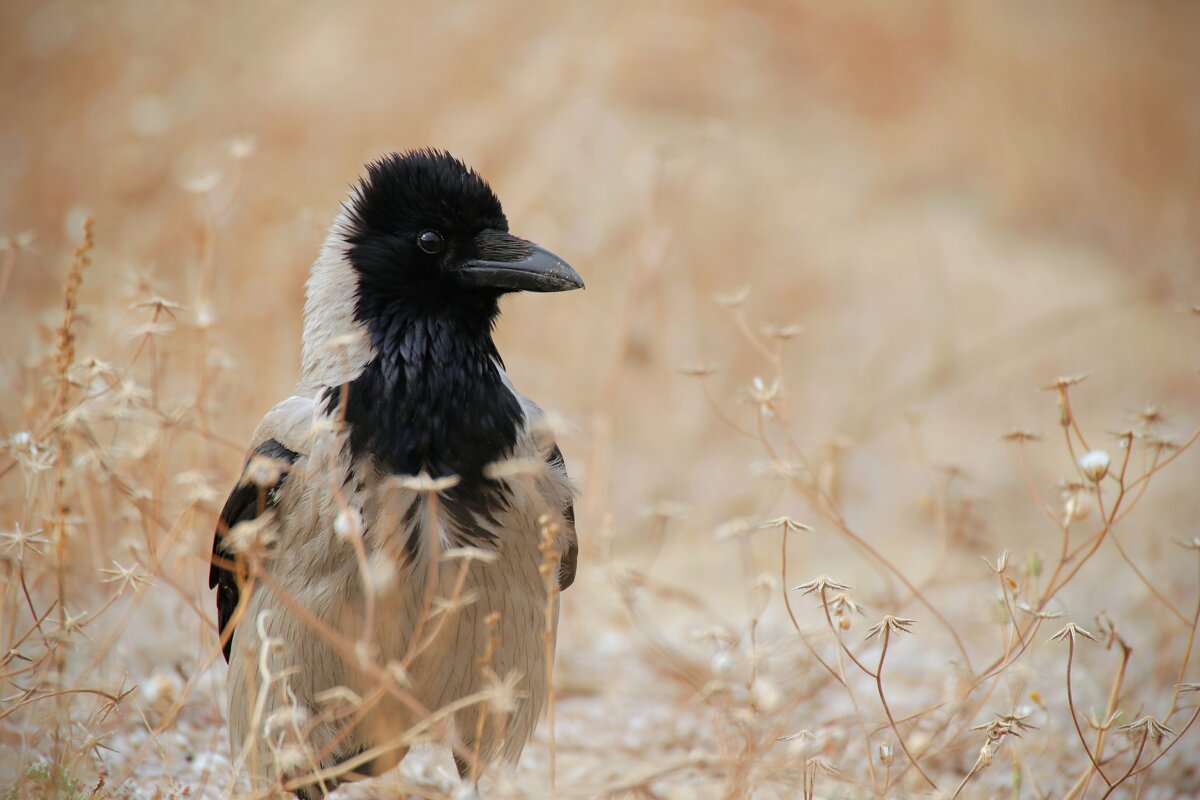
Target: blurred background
{"x": 955, "y": 203}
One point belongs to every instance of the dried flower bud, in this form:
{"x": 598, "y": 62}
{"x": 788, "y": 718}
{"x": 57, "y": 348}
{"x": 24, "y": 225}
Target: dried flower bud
{"x": 381, "y": 571}
{"x": 423, "y": 482}
{"x": 159, "y": 693}
{"x": 697, "y": 370}
{"x": 264, "y": 471}
{"x": 347, "y": 523}
{"x": 1076, "y": 508}
{"x": 885, "y": 754}
{"x": 733, "y": 299}
{"x": 781, "y": 332}
{"x": 201, "y": 184}
{"x": 803, "y": 744}
{"x": 766, "y": 695}
{"x": 242, "y": 147}
{"x": 1094, "y": 465}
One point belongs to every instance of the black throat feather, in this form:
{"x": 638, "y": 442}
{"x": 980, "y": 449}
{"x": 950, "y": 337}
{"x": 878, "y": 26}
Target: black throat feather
{"x": 432, "y": 400}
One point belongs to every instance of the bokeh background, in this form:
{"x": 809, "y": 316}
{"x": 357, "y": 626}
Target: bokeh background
{"x": 955, "y": 203}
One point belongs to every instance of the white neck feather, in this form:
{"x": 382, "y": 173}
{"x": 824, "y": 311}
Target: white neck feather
{"x": 336, "y": 346}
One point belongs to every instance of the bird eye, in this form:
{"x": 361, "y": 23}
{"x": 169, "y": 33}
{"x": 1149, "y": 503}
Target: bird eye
{"x": 431, "y": 242}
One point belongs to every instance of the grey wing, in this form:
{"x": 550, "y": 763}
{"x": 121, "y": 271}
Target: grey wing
{"x": 561, "y": 490}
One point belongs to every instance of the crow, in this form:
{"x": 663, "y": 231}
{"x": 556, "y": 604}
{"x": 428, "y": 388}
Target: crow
{"x": 389, "y": 561}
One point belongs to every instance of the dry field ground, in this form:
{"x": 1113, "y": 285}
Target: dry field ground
{"x": 843, "y": 261}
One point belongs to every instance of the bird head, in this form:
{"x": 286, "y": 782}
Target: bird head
{"x": 422, "y": 236}
{"x": 425, "y": 228}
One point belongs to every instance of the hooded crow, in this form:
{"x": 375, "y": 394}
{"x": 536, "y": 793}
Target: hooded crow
{"x": 381, "y": 563}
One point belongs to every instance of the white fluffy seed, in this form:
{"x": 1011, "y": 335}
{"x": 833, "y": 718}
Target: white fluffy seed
{"x": 1094, "y": 465}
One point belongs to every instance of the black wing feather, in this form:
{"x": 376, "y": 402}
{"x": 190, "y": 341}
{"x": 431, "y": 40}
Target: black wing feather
{"x": 570, "y": 557}
{"x": 245, "y": 502}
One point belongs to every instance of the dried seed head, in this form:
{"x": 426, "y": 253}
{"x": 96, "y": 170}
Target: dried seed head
{"x": 32, "y": 456}
{"x": 766, "y": 695}
{"x": 19, "y": 541}
{"x": 241, "y": 147}
{"x": 764, "y": 588}
{"x": 1097, "y": 724}
{"x": 381, "y": 571}
{"x": 159, "y": 305}
{"x": 885, "y": 754}
{"x": 126, "y": 577}
{"x": 1064, "y": 382}
{"x": 889, "y": 625}
{"x": 785, "y": 523}
{"x": 1077, "y": 507}
{"x": 1002, "y": 725}
{"x": 733, "y": 529}
{"x": 717, "y": 635}
{"x": 287, "y": 718}
{"x": 1151, "y": 416}
{"x": 502, "y": 694}
{"x": 205, "y": 317}
{"x": 1149, "y": 727}
{"x": 1069, "y": 632}
{"x": 763, "y": 395}
{"x": 471, "y": 554}
{"x": 733, "y": 299}
{"x": 1161, "y": 443}
{"x": 449, "y": 605}
{"x": 252, "y": 537}
{"x": 1028, "y": 609}
{"x": 399, "y": 674}
{"x": 779, "y": 469}
{"x": 513, "y": 468}
{"x": 781, "y": 332}
{"x": 667, "y": 509}
{"x": 264, "y": 471}
{"x": 196, "y": 489}
{"x": 160, "y": 692}
{"x": 340, "y": 695}
{"x": 367, "y": 654}
{"x": 1094, "y": 465}
{"x": 698, "y": 370}
{"x": 1001, "y": 562}
{"x": 1124, "y": 438}
{"x": 201, "y": 184}
{"x": 22, "y": 241}
{"x": 72, "y": 624}
{"x": 722, "y": 664}
{"x": 821, "y": 585}
{"x": 348, "y": 522}
{"x": 423, "y": 482}
{"x": 803, "y": 744}
{"x": 843, "y": 605}
{"x": 294, "y": 757}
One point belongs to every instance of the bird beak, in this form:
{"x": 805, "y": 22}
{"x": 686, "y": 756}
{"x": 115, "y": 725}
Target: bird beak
{"x": 506, "y": 262}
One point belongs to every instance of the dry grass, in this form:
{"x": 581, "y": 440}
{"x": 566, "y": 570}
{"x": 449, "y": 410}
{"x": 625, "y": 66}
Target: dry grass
{"x": 935, "y": 209}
